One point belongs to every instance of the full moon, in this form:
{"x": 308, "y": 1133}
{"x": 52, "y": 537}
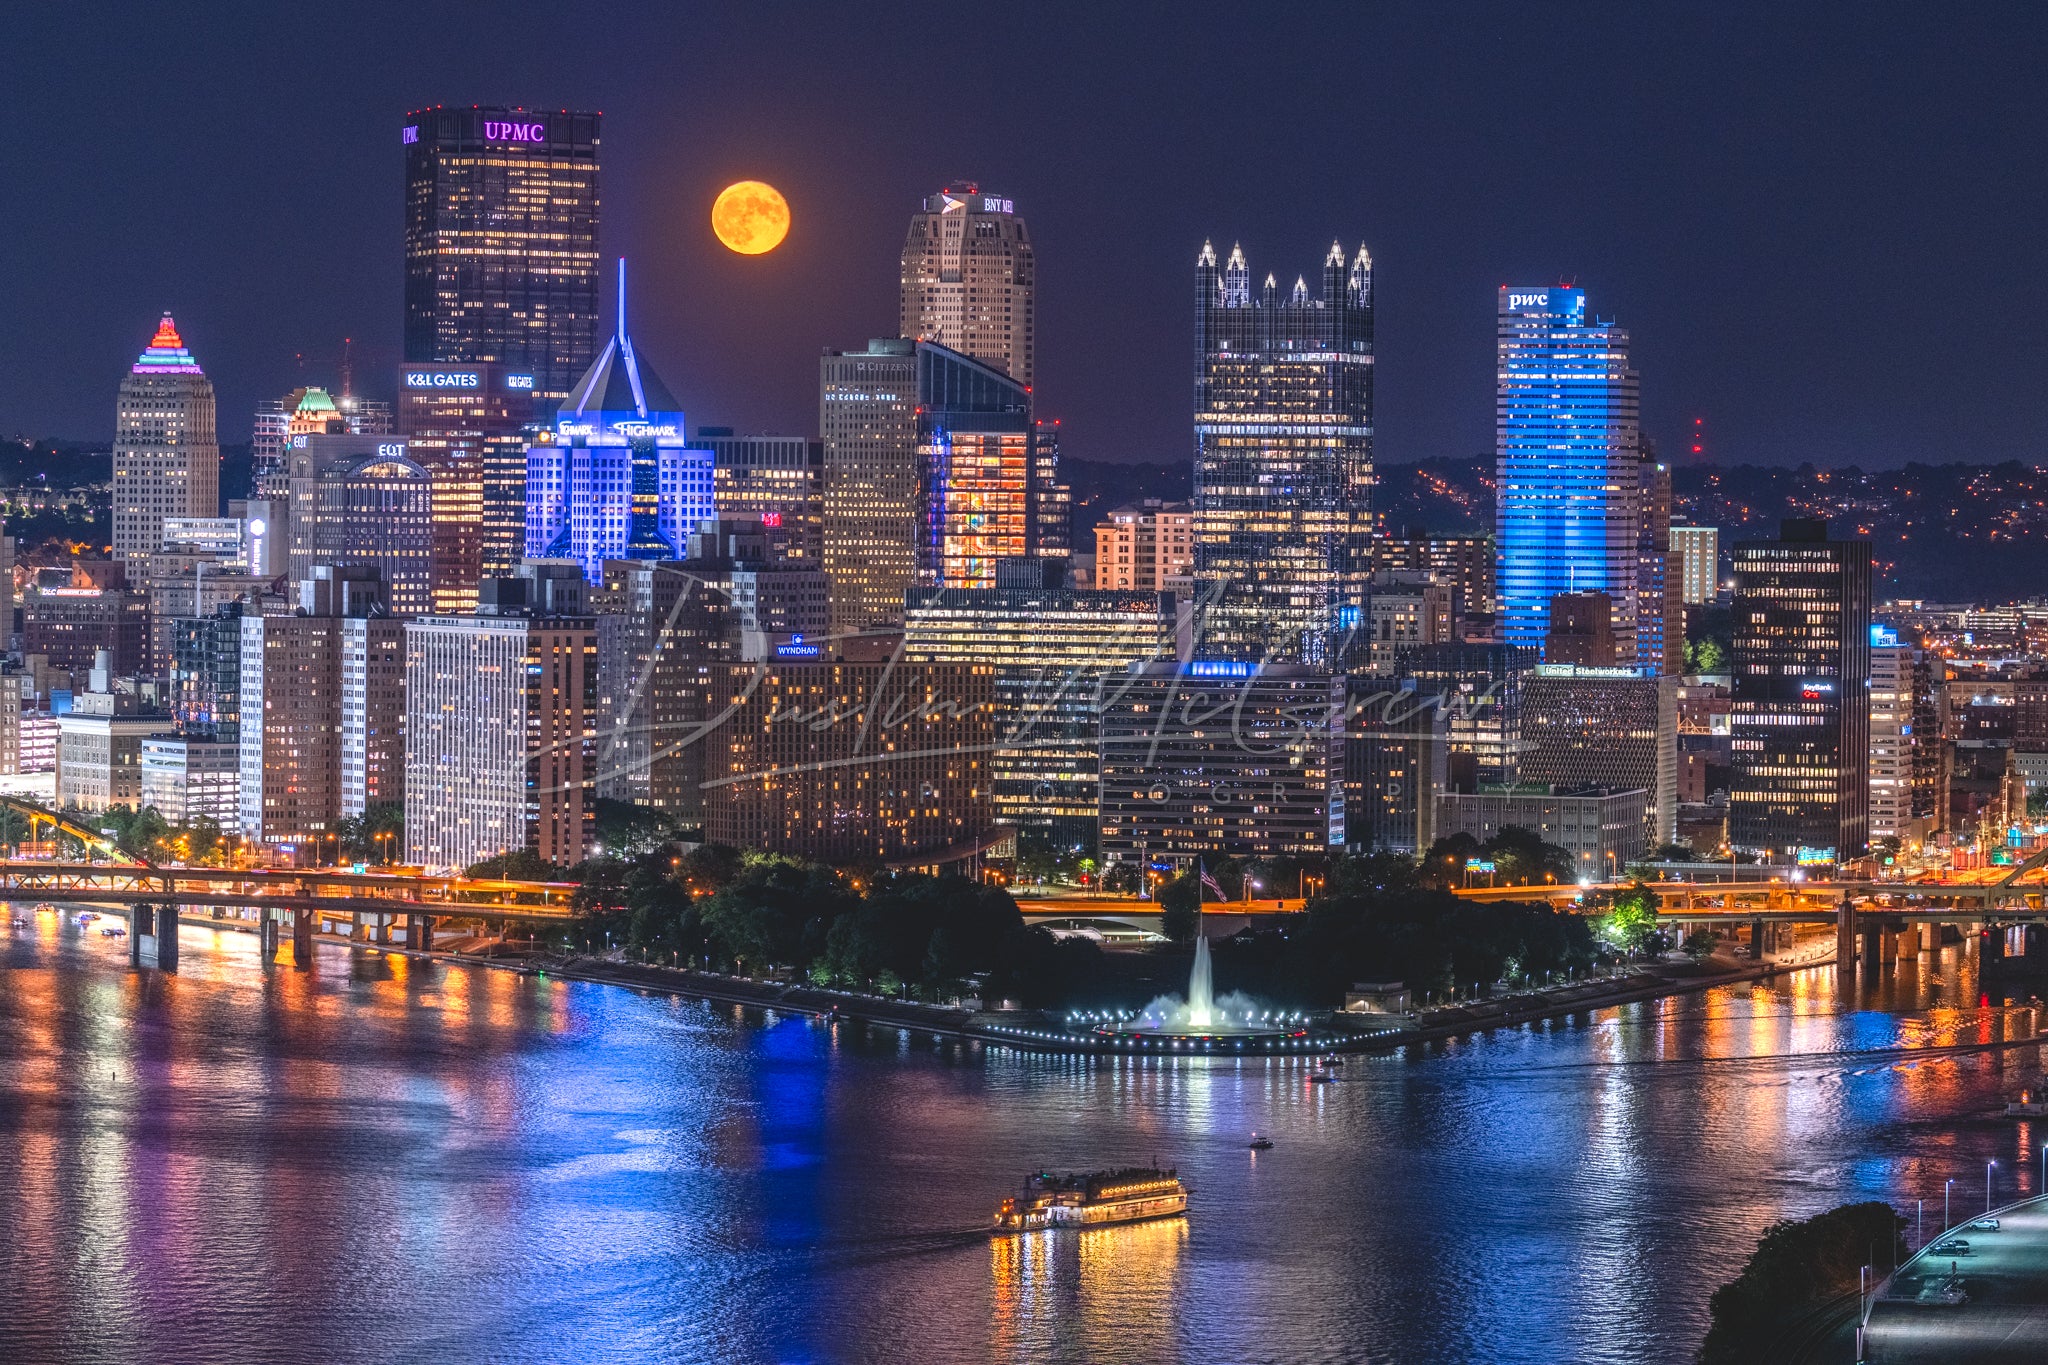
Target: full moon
{"x": 750, "y": 217}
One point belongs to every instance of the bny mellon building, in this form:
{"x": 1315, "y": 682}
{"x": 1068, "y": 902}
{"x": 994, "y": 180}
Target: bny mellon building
{"x": 1283, "y": 457}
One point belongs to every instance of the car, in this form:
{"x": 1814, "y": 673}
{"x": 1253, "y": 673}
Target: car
{"x": 1954, "y": 1246}
{"x": 1984, "y": 1225}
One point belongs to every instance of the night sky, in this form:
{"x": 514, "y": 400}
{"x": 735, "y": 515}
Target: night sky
{"x": 1823, "y": 224}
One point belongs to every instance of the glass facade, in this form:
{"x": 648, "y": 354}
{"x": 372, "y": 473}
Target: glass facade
{"x": 867, "y": 417}
{"x": 1283, "y": 456}
{"x": 974, "y": 447}
{"x": 1569, "y": 488}
{"x": 1801, "y": 711}
{"x": 501, "y": 261}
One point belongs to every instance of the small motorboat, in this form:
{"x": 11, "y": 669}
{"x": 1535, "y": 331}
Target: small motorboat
{"x": 1331, "y": 1060}
{"x": 1261, "y": 1144}
{"x": 87, "y": 916}
{"x": 2030, "y": 1105}
{"x": 1321, "y": 1077}
{"x": 113, "y": 931}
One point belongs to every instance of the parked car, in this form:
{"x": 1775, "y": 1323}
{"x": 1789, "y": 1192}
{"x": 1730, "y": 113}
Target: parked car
{"x": 1984, "y": 1225}
{"x": 1954, "y": 1246}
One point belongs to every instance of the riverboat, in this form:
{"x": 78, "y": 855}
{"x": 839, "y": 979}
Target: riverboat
{"x": 1096, "y": 1199}
{"x": 2030, "y": 1105}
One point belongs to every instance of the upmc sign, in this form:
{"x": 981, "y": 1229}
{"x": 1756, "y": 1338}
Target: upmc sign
{"x": 495, "y": 131}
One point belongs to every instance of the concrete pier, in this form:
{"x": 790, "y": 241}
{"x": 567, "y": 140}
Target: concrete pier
{"x": 302, "y": 939}
{"x": 166, "y": 936}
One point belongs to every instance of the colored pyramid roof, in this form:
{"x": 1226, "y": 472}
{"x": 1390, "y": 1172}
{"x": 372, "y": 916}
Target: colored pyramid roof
{"x": 167, "y": 353}
{"x": 619, "y": 381}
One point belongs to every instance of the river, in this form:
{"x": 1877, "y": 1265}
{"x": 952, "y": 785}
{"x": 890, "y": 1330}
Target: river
{"x": 388, "y": 1159}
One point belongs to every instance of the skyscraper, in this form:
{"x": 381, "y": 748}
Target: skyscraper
{"x": 618, "y": 479}
{"x": 1569, "y": 489}
{"x": 1283, "y": 455}
{"x": 1801, "y": 717}
{"x": 166, "y": 453}
{"x": 974, "y": 435}
{"x": 1699, "y": 546}
{"x": 968, "y": 277}
{"x": 501, "y": 259}
{"x": 470, "y": 419}
{"x": 867, "y": 415}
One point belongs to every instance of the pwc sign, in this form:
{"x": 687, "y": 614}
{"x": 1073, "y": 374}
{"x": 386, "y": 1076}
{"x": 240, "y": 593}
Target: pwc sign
{"x": 1535, "y": 299}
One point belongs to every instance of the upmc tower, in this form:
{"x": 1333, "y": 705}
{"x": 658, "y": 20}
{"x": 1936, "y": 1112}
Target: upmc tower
{"x": 501, "y": 242}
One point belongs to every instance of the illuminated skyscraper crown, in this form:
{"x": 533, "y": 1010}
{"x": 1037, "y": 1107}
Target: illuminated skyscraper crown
{"x": 166, "y": 353}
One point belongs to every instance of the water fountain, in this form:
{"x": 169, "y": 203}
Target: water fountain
{"x": 1201, "y": 1015}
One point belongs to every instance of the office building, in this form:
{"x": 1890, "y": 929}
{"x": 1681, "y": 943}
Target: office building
{"x": 288, "y": 724}
{"x": 1403, "y": 613}
{"x": 1581, "y": 631}
{"x": 850, "y": 762}
{"x": 1052, "y": 501}
{"x": 662, "y": 630}
{"x": 189, "y": 779}
{"x": 1463, "y": 562}
{"x": 1605, "y": 727}
{"x": 1479, "y": 687}
{"x": 968, "y": 278}
{"x": 1396, "y": 764}
{"x": 617, "y": 477}
{"x": 1057, "y": 653}
{"x": 99, "y": 749}
{"x": 1801, "y": 717}
{"x": 371, "y": 696}
{"x": 205, "y": 673}
{"x": 1906, "y": 759}
{"x": 974, "y": 434}
{"x": 1603, "y": 828}
{"x": 1147, "y": 546}
{"x": 867, "y": 417}
{"x": 183, "y": 586}
{"x": 1699, "y": 550}
{"x": 166, "y": 451}
{"x": 70, "y": 616}
{"x": 468, "y": 423}
{"x": 1569, "y": 488}
{"x": 776, "y": 482}
{"x": 1220, "y": 757}
{"x": 498, "y": 732}
{"x": 501, "y": 242}
{"x": 363, "y": 500}
{"x": 1283, "y": 456}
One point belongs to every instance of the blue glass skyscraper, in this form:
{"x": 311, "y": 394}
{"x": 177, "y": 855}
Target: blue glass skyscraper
{"x": 1569, "y": 496}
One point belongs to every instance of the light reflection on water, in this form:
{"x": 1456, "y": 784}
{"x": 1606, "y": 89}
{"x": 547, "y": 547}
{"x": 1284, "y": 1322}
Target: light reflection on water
{"x": 388, "y": 1160}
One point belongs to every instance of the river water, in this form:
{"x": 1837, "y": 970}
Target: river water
{"x": 385, "y": 1159}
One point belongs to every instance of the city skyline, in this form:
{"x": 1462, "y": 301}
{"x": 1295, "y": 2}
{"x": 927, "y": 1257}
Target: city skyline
{"x": 1688, "y": 237}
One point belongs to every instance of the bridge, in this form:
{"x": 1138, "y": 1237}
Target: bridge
{"x": 375, "y": 905}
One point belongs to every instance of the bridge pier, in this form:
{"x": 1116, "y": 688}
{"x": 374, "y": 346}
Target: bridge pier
{"x": 267, "y": 938}
{"x": 139, "y": 924}
{"x": 1845, "y": 942}
{"x": 419, "y": 932}
{"x": 302, "y": 939}
{"x": 1758, "y": 942}
{"x": 167, "y": 936}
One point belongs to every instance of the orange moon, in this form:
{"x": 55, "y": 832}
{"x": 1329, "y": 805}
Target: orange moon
{"x": 750, "y": 217}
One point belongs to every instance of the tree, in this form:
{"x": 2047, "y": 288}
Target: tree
{"x": 377, "y": 835}
{"x": 1699, "y": 944}
{"x": 520, "y": 865}
{"x": 1798, "y": 1264}
{"x": 624, "y": 830}
{"x": 1180, "y": 908}
{"x": 1631, "y": 919}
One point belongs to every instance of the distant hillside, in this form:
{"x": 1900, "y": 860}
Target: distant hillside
{"x": 1943, "y": 532}
{"x": 1099, "y": 486}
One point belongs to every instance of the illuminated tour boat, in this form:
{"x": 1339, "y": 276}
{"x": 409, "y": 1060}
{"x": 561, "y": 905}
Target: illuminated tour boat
{"x": 1093, "y": 1200}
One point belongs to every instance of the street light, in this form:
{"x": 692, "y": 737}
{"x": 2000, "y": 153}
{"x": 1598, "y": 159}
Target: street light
{"x": 1944, "y": 1203}
{"x": 1987, "y": 1184}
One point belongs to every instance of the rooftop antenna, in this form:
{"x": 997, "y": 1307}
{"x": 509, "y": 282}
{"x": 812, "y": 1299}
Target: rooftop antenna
{"x": 347, "y": 371}
{"x": 622, "y": 301}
